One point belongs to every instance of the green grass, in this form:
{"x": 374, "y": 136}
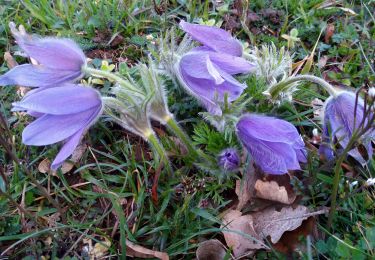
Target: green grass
{"x": 108, "y": 193}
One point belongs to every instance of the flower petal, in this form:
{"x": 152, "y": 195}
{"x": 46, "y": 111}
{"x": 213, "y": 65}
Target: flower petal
{"x": 277, "y": 130}
{"x": 50, "y": 129}
{"x": 202, "y": 82}
{"x": 226, "y": 62}
{"x": 37, "y": 76}
{"x": 213, "y": 37}
{"x": 67, "y": 99}
{"x": 62, "y": 54}
{"x": 67, "y": 149}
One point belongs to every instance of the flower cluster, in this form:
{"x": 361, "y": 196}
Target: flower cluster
{"x": 207, "y": 71}
{"x": 63, "y": 110}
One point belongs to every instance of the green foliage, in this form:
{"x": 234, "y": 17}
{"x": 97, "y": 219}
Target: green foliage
{"x": 111, "y": 185}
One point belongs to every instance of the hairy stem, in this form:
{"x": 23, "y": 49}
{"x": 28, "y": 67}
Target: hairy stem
{"x": 158, "y": 150}
{"x": 111, "y": 76}
{"x": 284, "y": 85}
{"x": 173, "y": 125}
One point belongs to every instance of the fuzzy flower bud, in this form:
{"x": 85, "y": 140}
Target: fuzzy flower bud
{"x": 229, "y": 160}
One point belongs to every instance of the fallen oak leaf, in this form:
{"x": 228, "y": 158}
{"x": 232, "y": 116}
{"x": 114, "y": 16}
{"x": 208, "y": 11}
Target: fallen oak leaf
{"x": 276, "y": 188}
{"x": 245, "y": 188}
{"x": 241, "y": 235}
{"x": 211, "y": 249}
{"x": 290, "y": 239}
{"x": 134, "y": 250}
{"x": 273, "y": 223}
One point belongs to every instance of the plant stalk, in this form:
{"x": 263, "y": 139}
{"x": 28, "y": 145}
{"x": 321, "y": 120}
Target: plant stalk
{"x": 158, "y": 150}
{"x": 283, "y": 85}
{"x": 173, "y": 125}
{"x": 111, "y": 76}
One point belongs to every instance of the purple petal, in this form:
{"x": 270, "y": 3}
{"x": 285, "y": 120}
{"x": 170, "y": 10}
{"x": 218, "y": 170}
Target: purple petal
{"x": 37, "y": 76}
{"x": 213, "y": 37}
{"x": 274, "y": 144}
{"x": 271, "y": 129}
{"x": 228, "y": 63}
{"x": 67, "y": 99}
{"x": 50, "y": 129}
{"x": 67, "y": 149}
{"x": 206, "y": 80}
{"x": 62, "y": 54}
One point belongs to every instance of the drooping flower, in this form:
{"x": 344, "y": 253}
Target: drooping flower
{"x": 60, "y": 60}
{"x": 207, "y": 71}
{"x": 63, "y": 114}
{"x": 341, "y": 120}
{"x": 274, "y": 144}
{"x": 229, "y": 160}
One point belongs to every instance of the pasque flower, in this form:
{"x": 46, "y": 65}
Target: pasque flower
{"x": 274, "y": 144}
{"x": 60, "y": 60}
{"x": 207, "y": 71}
{"x": 229, "y": 160}
{"x": 341, "y": 120}
{"x": 63, "y": 113}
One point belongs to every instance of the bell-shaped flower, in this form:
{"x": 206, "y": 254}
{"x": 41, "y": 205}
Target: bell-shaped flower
{"x": 63, "y": 114}
{"x": 229, "y": 160}
{"x": 341, "y": 120}
{"x": 59, "y": 61}
{"x": 207, "y": 71}
{"x": 274, "y": 144}
{"x": 214, "y": 38}
{"x": 208, "y": 76}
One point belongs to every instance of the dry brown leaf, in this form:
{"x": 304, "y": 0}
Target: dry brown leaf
{"x": 322, "y": 61}
{"x": 11, "y": 62}
{"x": 211, "y": 249}
{"x": 273, "y": 223}
{"x": 67, "y": 166}
{"x": 330, "y": 30}
{"x": 245, "y": 187}
{"x": 317, "y": 105}
{"x": 240, "y": 244}
{"x": 44, "y": 166}
{"x": 290, "y": 239}
{"x": 134, "y": 250}
{"x": 98, "y": 250}
{"x": 271, "y": 190}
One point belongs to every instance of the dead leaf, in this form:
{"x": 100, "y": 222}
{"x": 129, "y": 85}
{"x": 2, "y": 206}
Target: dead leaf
{"x": 290, "y": 239}
{"x": 241, "y": 244}
{"x": 67, "y": 166}
{"x": 245, "y": 187}
{"x": 317, "y": 105}
{"x": 322, "y": 61}
{"x": 44, "y": 166}
{"x": 273, "y": 223}
{"x": 270, "y": 190}
{"x": 11, "y": 62}
{"x": 134, "y": 250}
{"x": 330, "y": 30}
{"x": 99, "y": 250}
{"x": 211, "y": 249}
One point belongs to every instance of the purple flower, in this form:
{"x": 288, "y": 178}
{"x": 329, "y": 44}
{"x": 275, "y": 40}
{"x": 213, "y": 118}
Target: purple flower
{"x": 60, "y": 61}
{"x": 274, "y": 144}
{"x": 216, "y": 39}
{"x": 206, "y": 71}
{"x": 63, "y": 113}
{"x": 340, "y": 125}
{"x": 229, "y": 159}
